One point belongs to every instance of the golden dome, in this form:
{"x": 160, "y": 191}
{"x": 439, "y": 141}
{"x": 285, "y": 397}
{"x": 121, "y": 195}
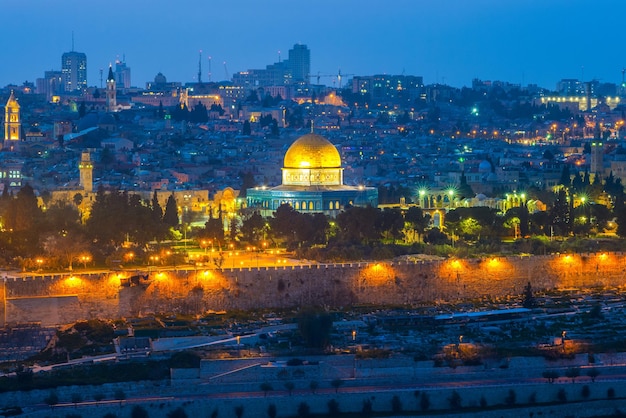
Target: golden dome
{"x": 312, "y": 151}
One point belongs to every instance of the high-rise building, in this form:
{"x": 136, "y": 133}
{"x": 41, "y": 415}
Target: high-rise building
{"x": 74, "y": 71}
{"x": 295, "y": 70}
{"x": 299, "y": 63}
{"x": 51, "y": 84}
{"x": 122, "y": 74}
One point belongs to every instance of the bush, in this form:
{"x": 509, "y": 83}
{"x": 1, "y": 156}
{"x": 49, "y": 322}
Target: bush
{"x": 139, "y": 412}
{"x": 585, "y": 392}
{"x": 336, "y": 383}
{"x": 52, "y": 398}
{"x": 532, "y": 399}
{"x": 610, "y": 393}
{"x": 304, "y": 410}
{"x": 367, "y": 410}
{"x": 76, "y": 397}
{"x": 119, "y": 394}
{"x": 177, "y": 413}
{"x": 510, "y": 398}
{"x": 271, "y": 411}
{"x": 483, "y": 402}
{"x": 424, "y": 401}
{"x": 396, "y": 404}
{"x": 561, "y": 395}
{"x": 239, "y": 411}
{"x": 455, "y": 400}
{"x": 333, "y": 408}
{"x": 98, "y": 396}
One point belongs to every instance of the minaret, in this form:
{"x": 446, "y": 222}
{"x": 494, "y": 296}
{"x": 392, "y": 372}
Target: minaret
{"x": 86, "y": 172}
{"x": 111, "y": 91}
{"x": 12, "y": 124}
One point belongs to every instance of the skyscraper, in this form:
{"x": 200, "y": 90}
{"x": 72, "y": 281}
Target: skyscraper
{"x": 299, "y": 63}
{"x": 74, "y": 70}
{"x": 122, "y": 74}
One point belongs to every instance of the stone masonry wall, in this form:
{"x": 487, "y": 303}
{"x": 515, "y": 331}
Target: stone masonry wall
{"x": 61, "y": 299}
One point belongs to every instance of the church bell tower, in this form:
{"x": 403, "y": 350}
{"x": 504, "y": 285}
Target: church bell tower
{"x": 111, "y": 91}
{"x": 12, "y": 124}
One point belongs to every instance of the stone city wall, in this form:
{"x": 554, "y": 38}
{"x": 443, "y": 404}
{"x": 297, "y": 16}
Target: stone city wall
{"x": 61, "y": 299}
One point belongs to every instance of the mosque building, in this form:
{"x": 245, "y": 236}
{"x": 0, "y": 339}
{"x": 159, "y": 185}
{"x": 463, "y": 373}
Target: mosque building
{"x": 312, "y": 181}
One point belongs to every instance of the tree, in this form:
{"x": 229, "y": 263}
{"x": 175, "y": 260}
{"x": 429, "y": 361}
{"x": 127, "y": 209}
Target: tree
{"x": 336, "y": 383}
{"x": 593, "y": 373}
{"x": 271, "y": 411}
{"x": 585, "y": 392}
{"x": 139, "y": 411}
{"x": 119, "y": 395}
{"x": 289, "y": 386}
{"x": 315, "y": 328}
{"x": 528, "y": 299}
{"x": 560, "y": 214}
{"x": 252, "y": 228}
{"x": 510, "y": 398}
{"x": 572, "y": 373}
{"x": 561, "y": 395}
{"x": 170, "y": 218}
{"x": 551, "y": 375}
{"x": 247, "y": 129}
{"x": 77, "y": 397}
{"x": 239, "y": 411}
{"x": 416, "y": 221}
{"x": 52, "y": 399}
{"x": 177, "y": 413}
{"x": 266, "y": 387}
{"x": 455, "y": 400}
{"x": 333, "y": 408}
{"x": 304, "y": 410}
{"x": 396, "y": 404}
{"x": 424, "y": 401}
{"x": 367, "y": 410}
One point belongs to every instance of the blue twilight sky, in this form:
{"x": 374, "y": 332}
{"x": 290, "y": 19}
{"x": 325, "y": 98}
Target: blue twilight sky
{"x": 449, "y": 41}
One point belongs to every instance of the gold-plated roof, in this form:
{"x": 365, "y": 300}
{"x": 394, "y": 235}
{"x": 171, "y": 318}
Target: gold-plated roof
{"x": 312, "y": 151}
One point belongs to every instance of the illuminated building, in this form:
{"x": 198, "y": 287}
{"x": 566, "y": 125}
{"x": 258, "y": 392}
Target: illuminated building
{"x": 312, "y": 181}
{"x": 597, "y": 160}
{"x": 12, "y": 123}
{"x": 85, "y": 167}
{"x": 74, "y": 71}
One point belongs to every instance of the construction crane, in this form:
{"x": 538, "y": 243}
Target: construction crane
{"x": 339, "y": 76}
{"x": 200, "y": 67}
{"x": 322, "y": 75}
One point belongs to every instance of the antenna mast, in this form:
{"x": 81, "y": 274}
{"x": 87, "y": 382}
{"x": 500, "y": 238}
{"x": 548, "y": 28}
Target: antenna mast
{"x": 200, "y": 68}
{"x": 209, "y": 68}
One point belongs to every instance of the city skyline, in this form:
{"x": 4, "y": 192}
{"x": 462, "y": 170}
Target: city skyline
{"x": 452, "y": 43}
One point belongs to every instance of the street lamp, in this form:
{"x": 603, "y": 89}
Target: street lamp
{"x": 451, "y": 195}
{"x": 422, "y": 193}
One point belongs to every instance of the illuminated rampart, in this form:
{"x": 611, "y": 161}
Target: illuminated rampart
{"x": 63, "y": 298}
